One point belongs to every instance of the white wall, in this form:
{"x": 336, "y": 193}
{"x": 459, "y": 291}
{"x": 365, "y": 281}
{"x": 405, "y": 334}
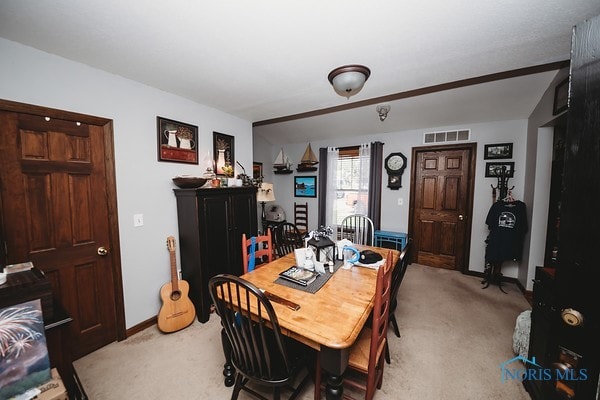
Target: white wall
{"x": 394, "y": 217}
{"x": 143, "y": 184}
{"x": 537, "y": 180}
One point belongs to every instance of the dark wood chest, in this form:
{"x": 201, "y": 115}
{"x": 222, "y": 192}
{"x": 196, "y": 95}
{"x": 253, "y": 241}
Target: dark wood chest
{"x": 565, "y": 324}
{"x": 26, "y": 286}
{"x": 211, "y": 222}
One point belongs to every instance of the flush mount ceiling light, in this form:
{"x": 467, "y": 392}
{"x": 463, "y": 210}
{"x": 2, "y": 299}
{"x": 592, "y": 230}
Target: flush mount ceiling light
{"x": 383, "y": 110}
{"x": 348, "y": 80}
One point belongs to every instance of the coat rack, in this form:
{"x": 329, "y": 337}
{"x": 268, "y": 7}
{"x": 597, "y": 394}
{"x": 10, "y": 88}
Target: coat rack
{"x": 503, "y": 175}
{"x": 492, "y": 272}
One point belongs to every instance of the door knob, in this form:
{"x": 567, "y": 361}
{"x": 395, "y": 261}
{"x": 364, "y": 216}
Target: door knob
{"x": 461, "y": 217}
{"x": 571, "y": 317}
{"x": 102, "y": 251}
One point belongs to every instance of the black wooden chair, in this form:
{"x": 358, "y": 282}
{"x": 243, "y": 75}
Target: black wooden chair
{"x": 287, "y": 238}
{"x": 260, "y": 353}
{"x": 397, "y": 277}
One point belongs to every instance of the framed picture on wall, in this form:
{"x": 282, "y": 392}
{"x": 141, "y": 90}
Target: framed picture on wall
{"x": 561, "y": 97}
{"x": 494, "y": 169}
{"x": 177, "y": 141}
{"x": 305, "y": 186}
{"x": 223, "y": 153}
{"x": 498, "y": 151}
{"x": 257, "y": 170}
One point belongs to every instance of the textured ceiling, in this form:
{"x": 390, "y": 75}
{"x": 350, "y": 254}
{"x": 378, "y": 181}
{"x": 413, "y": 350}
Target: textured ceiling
{"x": 265, "y": 59}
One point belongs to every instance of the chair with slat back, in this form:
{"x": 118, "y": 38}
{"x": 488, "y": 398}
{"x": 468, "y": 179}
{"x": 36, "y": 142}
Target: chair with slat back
{"x": 287, "y": 238}
{"x": 260, "y": 353}
{"x": 358, "y": 229}
{"x": 263, "y": 249}
{"x": 397, "y": 277}
{"x": 301, "y": 217}
{"x": 367, "y": 352}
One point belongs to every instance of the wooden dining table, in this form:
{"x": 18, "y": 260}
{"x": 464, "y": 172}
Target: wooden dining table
{"x": 328, "y": 321}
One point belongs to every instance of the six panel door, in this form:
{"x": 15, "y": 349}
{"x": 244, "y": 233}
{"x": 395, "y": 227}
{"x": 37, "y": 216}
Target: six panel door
{"x": 441, "y": 198}
{"x": 55, "y": 214}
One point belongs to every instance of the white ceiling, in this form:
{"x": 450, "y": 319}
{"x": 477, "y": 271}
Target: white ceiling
{"x": 265, "y": 59}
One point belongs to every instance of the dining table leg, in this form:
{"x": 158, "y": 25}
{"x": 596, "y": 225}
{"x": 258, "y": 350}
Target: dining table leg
{"x": 334, "y": 363}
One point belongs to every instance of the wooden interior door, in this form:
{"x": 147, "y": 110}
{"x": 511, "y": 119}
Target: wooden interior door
{"x": 441, "y": 199}
{"x": 55, "y": 212}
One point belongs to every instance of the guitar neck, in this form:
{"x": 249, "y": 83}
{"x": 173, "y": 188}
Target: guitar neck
{"x": 174, "y": 277}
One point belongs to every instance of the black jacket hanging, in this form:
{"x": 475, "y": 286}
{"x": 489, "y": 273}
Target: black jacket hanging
{"x": 507, "y": 222}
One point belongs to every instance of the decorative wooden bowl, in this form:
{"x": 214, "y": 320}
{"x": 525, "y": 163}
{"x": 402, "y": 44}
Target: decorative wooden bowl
{"x": 189, "y": 182}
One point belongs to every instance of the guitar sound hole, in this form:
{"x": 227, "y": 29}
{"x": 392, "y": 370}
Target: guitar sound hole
{"x": 175, "y": 295}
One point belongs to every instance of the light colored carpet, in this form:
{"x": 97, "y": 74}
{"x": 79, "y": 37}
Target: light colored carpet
{"x": 454, "y": 338}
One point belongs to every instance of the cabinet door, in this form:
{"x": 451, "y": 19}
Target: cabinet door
{"x": 244, "y": 221}
{"x": 542, "y": 343}
{"x": 216, "y": 250}
{"x": 578, "y": 274}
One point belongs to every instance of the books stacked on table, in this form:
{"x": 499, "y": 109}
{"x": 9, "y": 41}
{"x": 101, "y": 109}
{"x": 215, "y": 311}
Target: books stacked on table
{"x": 298, "y": 275}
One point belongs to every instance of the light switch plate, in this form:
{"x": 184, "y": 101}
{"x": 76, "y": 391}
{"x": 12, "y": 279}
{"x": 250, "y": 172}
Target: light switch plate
{"x": 138, "y": 220}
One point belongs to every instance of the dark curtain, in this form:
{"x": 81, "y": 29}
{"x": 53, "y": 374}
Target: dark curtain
{"x": 375, "y": 183}
{"x": 322, "y": 185}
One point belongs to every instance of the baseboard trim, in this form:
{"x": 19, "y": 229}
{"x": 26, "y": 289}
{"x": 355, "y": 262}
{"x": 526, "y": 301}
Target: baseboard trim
{"x": 141, "y": 326}
{"x": 527, "y": 293}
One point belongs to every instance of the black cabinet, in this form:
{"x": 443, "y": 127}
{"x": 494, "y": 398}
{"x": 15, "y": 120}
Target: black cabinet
{"x": 544, "y": 319}
{"x": 565, "y": 324}
{"x": 556, "y": 182}
{"x": 211, "y": 222}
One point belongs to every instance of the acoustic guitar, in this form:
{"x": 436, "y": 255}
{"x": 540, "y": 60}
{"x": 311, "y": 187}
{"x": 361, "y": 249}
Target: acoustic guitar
{"x": 177, "y": 310}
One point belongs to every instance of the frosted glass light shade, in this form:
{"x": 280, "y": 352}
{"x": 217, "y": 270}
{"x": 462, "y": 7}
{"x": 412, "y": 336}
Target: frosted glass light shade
{"x": 348, "y": 80}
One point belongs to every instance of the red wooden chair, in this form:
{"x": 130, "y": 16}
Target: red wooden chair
{"x": 263, "y": 249}
{"x": 368, "y": 352}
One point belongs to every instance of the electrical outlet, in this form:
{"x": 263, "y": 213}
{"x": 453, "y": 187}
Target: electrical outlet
{"x": 138, "y": 220}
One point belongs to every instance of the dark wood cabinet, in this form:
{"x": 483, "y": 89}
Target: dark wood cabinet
{"x": 556, "y": 182}
{"x": 544, "y": 318}
{"x": 211, "y": 222}
{"x": 565, "y": 321}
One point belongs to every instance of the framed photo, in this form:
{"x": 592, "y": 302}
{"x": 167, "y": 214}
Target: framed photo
{"x": 498, "y": 151}
{"x": 257, "y": 170}
{"x": 177, "y": 142}
{"x": 305, "y": 186}
{"x": 494, "y": 169}
{"x": 223, "y": 153}
{"x": 561, "y": 97}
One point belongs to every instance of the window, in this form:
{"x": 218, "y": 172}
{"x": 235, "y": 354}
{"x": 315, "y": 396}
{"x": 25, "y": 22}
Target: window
{"x": 352, "y": 190}
{"x": 348, "y": 183}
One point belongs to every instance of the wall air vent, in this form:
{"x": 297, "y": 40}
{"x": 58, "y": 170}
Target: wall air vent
{"x": 462, "y": 135}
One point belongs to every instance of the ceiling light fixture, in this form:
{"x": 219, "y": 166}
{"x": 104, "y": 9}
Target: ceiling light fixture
{"x": 383, "y": 110}
{"x": 348, "y": 80}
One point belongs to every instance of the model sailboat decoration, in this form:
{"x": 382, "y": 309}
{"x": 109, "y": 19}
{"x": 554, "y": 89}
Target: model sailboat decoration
{"x": 282, "y": 164}
{"x": 308, "y": 161}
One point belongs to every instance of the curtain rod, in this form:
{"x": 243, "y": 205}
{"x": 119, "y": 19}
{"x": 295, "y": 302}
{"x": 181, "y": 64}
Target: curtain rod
{"x": 352, "y": 147}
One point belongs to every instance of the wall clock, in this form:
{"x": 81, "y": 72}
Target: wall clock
{"x": 395, "y": 163}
